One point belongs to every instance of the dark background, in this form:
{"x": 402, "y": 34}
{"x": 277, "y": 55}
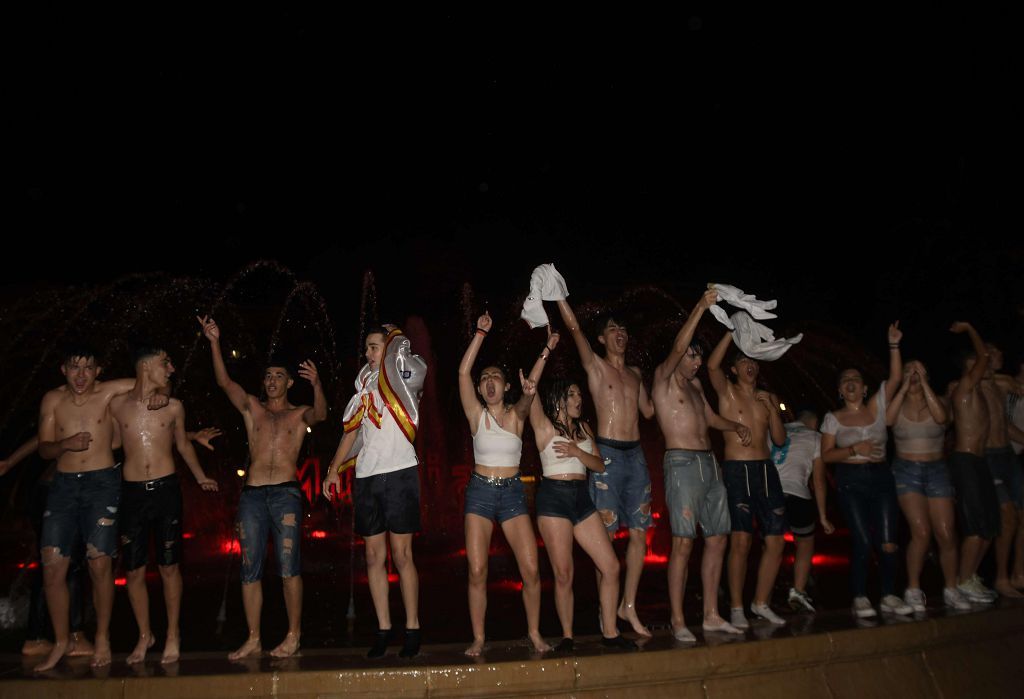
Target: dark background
{"x": 859, "y": 166}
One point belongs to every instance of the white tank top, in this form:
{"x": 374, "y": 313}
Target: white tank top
{"x": 494, "y": 446}
{"x": 851, "y": 434}
{"x": 913, "y": 437}
{"x": 554, "y": 465}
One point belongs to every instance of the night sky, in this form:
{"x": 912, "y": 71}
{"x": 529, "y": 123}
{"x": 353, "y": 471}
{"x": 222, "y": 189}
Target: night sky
{"x": 857, "y": 166}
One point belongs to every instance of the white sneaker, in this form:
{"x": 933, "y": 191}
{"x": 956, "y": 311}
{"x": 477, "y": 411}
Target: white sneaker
{"x": 862, "y": 607}
{"x": 987, "y": 591}
{"x": 953, "y": 598}
{"x": 738, "y": 619}
{"x": 800, "y": 601}
{"x": 914, "y": 596}
{"x": 891, "y": 604}
{"x": 974, "y": 591}
{"x": 765, "y": 612}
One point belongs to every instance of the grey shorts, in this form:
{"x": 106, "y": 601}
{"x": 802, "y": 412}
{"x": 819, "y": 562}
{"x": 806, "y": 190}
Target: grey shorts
{"x": 694, "y": 492}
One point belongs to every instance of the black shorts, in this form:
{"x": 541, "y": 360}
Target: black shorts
{"x": 388, "y": 502}
{"x": 151, "y": 508}
{"x": 977, "y": 502}
{"x": 801, "y": 516}
{"x": 566, "y": 499}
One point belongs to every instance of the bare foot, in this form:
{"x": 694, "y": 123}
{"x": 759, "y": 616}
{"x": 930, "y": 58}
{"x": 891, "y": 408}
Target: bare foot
{"x": 145, "y": 642}
{"x": 627, "y": 612}
{"x": 476, "y": 649}
{"x": 539, "y": 644}
{"x": 252, "y": 645}
{"x": 101, "y": 656}
{"x": 80, "y": 646}
{"x": 287, "y": 647}
{"x": 39, "y": 646}
{"x": 171, "y": 650}
{"x": 1004, "y": 588}
{"x": 56, "y": 653}
{"x": 717, "y": 623}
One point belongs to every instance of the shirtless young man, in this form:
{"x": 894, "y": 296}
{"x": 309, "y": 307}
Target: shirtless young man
{"x": 76, "y": 429}
{"x": 976, "y": 499}
{"x": 694, "y": 491}
{"x": 751, "y": 479}
{"x": 271, "y": 501}
{"x": 151, "y": 493}
{"x": 622, "y": 493}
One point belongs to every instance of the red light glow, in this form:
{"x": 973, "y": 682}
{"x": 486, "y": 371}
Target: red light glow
{"x": 120, "y": 582}
{"x": 318, "y": 534}
{"x": 230, "y": 546}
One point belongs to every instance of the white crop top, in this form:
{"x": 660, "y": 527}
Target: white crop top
{"x": 848, "y": 435}
{"x": 924, "y": 437}
{"x": 554, "y": 465}
{"x": 494, "y": 446}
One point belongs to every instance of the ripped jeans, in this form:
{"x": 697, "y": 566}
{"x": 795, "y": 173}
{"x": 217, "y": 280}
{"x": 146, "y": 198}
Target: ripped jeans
{"x": 82, "y": 506}
{"x": 269, "y": 510}
{"x": 867, "y": 498}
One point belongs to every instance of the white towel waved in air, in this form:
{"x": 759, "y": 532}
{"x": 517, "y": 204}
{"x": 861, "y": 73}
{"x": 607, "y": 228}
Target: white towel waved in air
{"x": 754, "y": 339}
{"x": 546, "y": 284}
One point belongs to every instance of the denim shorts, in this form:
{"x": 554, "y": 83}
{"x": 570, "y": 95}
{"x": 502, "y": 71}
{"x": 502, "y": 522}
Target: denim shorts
{"x": 497, "y": 499}
{"x": 387, "y": 502}
{"x": 275, "y": 511}
{"x": 83, "y": 506}
{"x": 1005, "y": 474}
{"x": 568, "y": 499}
{"x": 624, "y": 489}
{"x": 928, "y": 478}
{"x": 151, "y": 508}
{"x": 694, "y": 492}
{"x": 754, "y": 489}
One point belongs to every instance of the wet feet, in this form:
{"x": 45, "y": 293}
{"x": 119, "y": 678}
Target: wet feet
{"x": 57, "y": 652}
{"x": 101, "y": 656}
{"x": 39, "y": 646}
{"x": 627, "y": 612}
{"x": 287, "y": 647}
{"x": 81, "y": 645}
{"x": 145, "y": 642}
{"x": 1006, "y": 589}
{"x": 250, "y": 647}
{"x": 172, "y": 651}
{"x": 476, "y": 648}
{"x": 539, "y": 644}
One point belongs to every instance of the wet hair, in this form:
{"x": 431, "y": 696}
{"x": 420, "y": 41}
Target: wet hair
{"x": 142, "y": 350}
{"x": 78, "y": 350}
{"x": 376, "y": 330}
{"x": 556, "y": 394}
{"x": 284, "y": 362}
{"x": 736, "y": 355}
{"x": 698, "y": 347}
{"x": 602, "y": 320}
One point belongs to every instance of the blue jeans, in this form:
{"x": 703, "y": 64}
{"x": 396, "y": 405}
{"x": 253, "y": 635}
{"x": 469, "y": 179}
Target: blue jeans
{"x": 867, "y": 498}
{"x": 269, "y": 510}
{"x": 928, "y": 478}
{"x": 624, "y": 489}
{"x": 694, "y": 492}
{"x": 499, "y": 500}
{"x": 83, "y": 506}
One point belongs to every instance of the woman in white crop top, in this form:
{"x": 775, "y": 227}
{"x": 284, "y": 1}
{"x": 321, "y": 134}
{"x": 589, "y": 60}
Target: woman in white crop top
{"x": 565, "y": 510}
{"x": 854, "y": 438}
{"x": 495, "y": 492}
{"x": 918, "y": 419}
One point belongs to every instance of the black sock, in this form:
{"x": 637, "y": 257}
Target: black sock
{"x": 619, "y": 642}
{"x": 411, "y": 646}
{"x": 380, "y": 643}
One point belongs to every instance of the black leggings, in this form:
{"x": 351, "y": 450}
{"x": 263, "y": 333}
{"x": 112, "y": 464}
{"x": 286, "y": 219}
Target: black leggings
{"x": 867, "y": 498}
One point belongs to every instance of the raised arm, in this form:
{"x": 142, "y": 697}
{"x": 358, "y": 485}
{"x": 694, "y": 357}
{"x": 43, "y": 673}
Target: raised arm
{"x": 971, "y": 379}
{"x": 587, "y": 357}
{"x": 236, "y": 394}
{"x": 718, "y": 379}
{"x": 895, "y": 361}
{"x": 524, "y": 405}
{"x": 185, "y": 448}
{"x": 19, "y": 454}
{"x": 935, "y": 404}
{"x": 644, "y": 402}
{"x": 892, "y": 408}
{"x": 685, "y": 335}
{"x": 467, "y": 392}
{"x": 318, "y": 412}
